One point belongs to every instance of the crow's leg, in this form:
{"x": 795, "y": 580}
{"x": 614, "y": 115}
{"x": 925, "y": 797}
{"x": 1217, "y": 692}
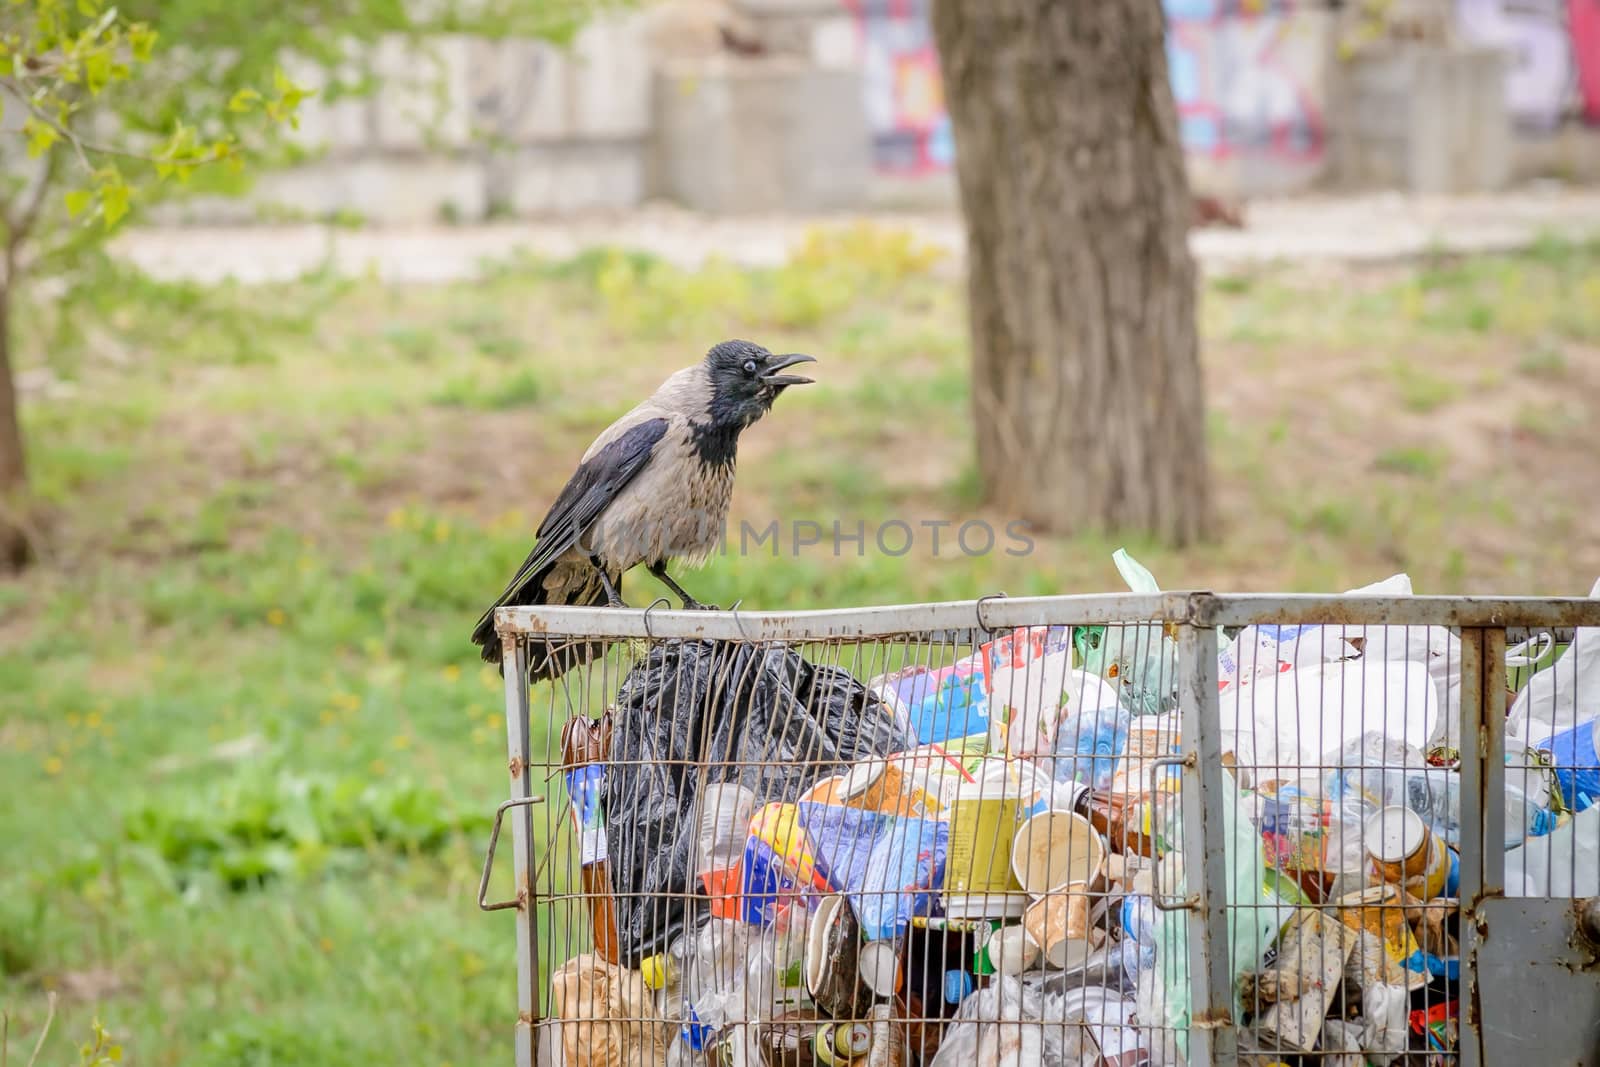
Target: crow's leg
{"x": 659, "y": 569}
{"x": 612, "y": 599}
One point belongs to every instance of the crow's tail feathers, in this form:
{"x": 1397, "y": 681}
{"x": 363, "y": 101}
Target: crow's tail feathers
{"x": 547, "y": 657}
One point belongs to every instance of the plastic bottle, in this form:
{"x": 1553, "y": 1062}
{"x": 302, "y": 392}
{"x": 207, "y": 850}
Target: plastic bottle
{"x": 724, "y": 824}
{"x": 1139, "y": 926}
{"x": 1087, "y": 746}
{"x": 585, "y": 747}
{"x": 1435, "y": 794}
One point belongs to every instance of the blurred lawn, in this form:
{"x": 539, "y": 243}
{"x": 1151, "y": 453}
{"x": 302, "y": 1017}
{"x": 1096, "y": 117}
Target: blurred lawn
{"x": 248, "y": 752}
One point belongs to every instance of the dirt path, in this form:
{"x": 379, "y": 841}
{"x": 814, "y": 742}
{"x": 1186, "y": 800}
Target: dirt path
{"x": 1326, "y": 228}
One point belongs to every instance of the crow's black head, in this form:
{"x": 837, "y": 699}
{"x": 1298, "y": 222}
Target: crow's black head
{"x": 746, "y": 379}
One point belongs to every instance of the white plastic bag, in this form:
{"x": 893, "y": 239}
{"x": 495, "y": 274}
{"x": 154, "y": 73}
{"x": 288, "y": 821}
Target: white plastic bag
{"x": 1029, "y": 695}
{"x": 986, "y": 1032}
{"x": 1564, "y": 863}
{"x": 1279, "y": 725}
{"x": 1384, "y": 1014}
{"x": 1565, "y": 693}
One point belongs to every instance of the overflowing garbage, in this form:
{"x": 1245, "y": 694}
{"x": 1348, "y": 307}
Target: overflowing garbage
{"x": 784, "y": 865}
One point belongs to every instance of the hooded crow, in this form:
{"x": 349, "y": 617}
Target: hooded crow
{"x": 653, "y": 487}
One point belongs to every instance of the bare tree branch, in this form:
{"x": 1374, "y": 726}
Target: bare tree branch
{"x": 49, "y": 1017}
{"x": 18, "y": 228}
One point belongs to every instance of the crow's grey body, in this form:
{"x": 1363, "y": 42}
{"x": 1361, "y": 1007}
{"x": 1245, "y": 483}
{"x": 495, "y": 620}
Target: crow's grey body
{"x": 654, "y": 486}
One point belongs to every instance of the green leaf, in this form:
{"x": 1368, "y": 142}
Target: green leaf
{"x": 88, "y": 8}
{"x": 114, "y": 203}
{"x": 141, "y": 41}
{"x": 41, "y": 137}
{"x": 79, "y": 201}
{"x": 244, "y": 100}
{"x": 97, "y": 71}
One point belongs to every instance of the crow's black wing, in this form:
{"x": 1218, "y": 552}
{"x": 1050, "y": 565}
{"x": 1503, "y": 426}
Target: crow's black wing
{"x": 592, "y": 487}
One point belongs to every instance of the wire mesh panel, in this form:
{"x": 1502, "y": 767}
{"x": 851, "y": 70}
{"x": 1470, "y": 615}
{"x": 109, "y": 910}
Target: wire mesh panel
{"x": 1095, "y": 831}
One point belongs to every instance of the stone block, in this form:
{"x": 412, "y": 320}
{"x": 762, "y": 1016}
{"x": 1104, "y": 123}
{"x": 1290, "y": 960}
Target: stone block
{"x": 758, "y": 135}
{"x": 836, "y": 43}
{"x": 519, "y": 90}
{"x": 384, "y": 191}
{"x": 341, "y": 126}
{"x": 560, "y": 178}
{"x": 426, "y": 95}
{"x": 1426, "y": 119}
{"x": 610, "y": 79}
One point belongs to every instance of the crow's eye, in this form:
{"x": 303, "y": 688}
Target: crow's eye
{"x": 750, "y": 366}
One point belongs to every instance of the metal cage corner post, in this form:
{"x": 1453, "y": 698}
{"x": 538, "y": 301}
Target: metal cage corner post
{"x": 1212, "y": 1038}
{"x": 514, "y": 662}
{"x": 1503, "y": 938}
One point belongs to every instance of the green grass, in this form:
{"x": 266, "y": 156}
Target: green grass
{"x": 1418, "y": 462}
{"x": 1421, "y": 391}
{"x": 248, "y": 751}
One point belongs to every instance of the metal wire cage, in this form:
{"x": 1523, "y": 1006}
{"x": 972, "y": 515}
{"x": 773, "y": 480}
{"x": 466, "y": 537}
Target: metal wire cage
{"x": 1128, "y": 830}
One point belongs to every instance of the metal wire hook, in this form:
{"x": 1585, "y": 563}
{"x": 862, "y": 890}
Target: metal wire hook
{"x": 733, "y": 609}
{"x": 978, "y": 610}
{"x": 658, "y": 600}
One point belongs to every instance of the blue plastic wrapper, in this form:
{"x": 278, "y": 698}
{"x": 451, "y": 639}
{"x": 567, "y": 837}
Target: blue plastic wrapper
{"x": 890, "y": 868}
{"x": 765, "y": 885}
{"x": 942, "y": 704}
{"x": 1576, "y": 764}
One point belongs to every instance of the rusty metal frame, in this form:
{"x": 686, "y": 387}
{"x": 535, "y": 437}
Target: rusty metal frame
{"x": 1482, "y": 622}
{"x": 1203, "y": 609}
{"x": 1213, "y": 1038}
{"x": 529, "y": 982}
{"x": 488, "y": 858}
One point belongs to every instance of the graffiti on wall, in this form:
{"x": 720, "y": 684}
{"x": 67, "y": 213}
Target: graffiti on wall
{"x": 1554, "y": 47}
{"x": 1247, "y": 75}
{"x": 905, "y": 98}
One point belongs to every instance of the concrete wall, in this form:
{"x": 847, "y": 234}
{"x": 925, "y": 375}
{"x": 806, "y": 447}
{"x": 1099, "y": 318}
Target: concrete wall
{"x": 464, "y": 128}
{"x": 806, "y": 105}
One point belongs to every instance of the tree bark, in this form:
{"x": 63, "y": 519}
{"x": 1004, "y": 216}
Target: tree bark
{"x": 15, "y": 547}
{"x": 1086, "y": 371}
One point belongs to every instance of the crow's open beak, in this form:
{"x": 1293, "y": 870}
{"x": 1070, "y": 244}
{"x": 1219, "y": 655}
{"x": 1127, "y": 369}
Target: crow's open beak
{"x": 772, "y": 377}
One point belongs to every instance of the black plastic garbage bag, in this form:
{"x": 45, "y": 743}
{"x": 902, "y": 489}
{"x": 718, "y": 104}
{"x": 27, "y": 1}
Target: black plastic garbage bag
{"x": 698, "y": 712}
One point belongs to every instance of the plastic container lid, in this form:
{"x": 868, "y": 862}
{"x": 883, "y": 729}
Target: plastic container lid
{"x": 879, "y": 967}
{"x": 859, "y": 779}
{"x": 958, "y": 985}
{"x": 1394, "y": 833}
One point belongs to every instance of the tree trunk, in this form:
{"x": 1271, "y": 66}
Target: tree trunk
{"x": 15, "y": 548}
{"x": 1086, "y": 371}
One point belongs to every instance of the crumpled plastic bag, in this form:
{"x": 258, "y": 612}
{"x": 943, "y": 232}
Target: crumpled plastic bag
{"x": 1142, "y": 659}
{"x": 1565, "y": 693}
{"x": 605, "y": 1016}
{"x": 1385, "y": 1011}
{"x": 1278, "y": 727}
{"x": 1259, "y": 652}
{"x": 1564, "y": 863}
{"x": 1254, "y": 918}
{"x": 1032, "y": 687}
{"x": 890, "y": 868}
{"x": 760, "y": 716}
{"x": 998, "y": 1027}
